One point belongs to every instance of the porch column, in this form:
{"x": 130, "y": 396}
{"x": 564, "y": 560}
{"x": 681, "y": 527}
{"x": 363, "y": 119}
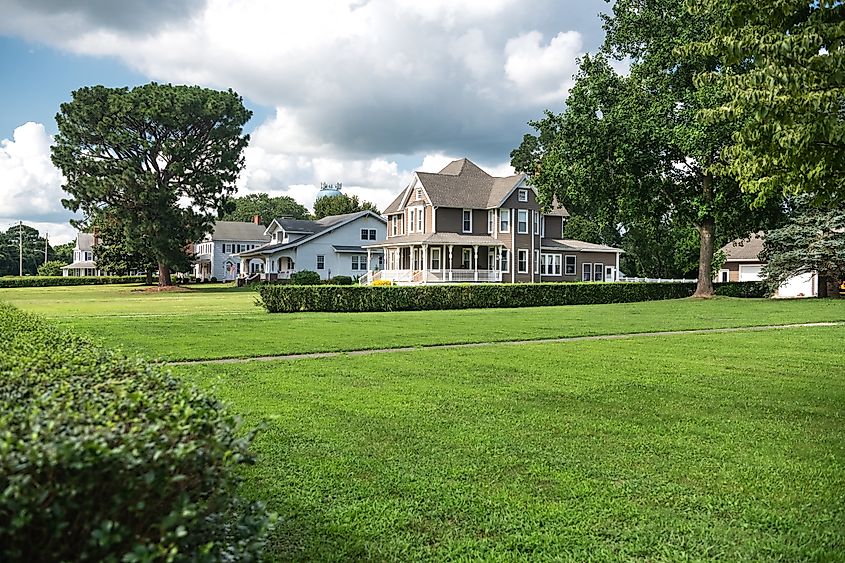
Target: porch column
{"x": 475, "y": 261}
{"x": 244, "y": 267}
{"x": 616, "y": 273}
{"x": 369, "y": 261}
{"x": 450, "y": 262}
{"x": 425, "y": 262}
{"x": 499, "y": 263}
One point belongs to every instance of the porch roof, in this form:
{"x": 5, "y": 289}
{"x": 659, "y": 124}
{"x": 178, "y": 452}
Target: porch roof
{"x": 80, "y": 265}
{"x": 349, "y": 249}
{"x": 571, "y": 245}
{"x": 436, "y": 239}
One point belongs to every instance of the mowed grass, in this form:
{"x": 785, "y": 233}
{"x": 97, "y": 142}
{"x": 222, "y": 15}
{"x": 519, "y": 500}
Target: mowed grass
{"x": 678, "y": 448}
{"x": 223, "y": 322}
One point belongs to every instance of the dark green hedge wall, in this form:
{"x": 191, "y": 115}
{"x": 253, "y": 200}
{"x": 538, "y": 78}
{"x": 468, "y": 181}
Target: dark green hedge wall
{"x": 291, "y": 298}
{"x": 49, "y": 281}
{"x": 106, "y": 458}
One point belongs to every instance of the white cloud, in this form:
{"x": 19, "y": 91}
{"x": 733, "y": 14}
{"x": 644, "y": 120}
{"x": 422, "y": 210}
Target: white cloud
{"x": 30, "y": 186}
{"x": 544, "y": 72}
{"x": 57, "y": 233}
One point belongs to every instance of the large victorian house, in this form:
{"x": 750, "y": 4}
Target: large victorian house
{"x": 463, "y": 225}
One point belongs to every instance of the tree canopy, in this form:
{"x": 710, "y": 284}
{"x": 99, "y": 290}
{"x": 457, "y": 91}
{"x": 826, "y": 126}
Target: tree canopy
{"x": 245, "y": 208}
{"x": 785, "y": 87}
{"x": 341, "y": 204}
{"x": 634, "y": 151}
{"x": 162, "y": 159}
{"x": 33, "y": 251}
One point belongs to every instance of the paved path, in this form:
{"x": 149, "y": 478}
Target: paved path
{"x": 315, "y": 355}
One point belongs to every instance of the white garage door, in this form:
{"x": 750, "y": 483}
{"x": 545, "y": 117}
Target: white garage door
{"x": 749, "y": 272}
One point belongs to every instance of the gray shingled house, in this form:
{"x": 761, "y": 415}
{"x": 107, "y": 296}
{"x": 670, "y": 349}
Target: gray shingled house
{"x": 463, "y": 225}
{"x": 216, "y": 255}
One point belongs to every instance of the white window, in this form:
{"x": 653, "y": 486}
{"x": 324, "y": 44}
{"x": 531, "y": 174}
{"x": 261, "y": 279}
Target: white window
{"x": 504, "y": 264}
{"x": 466, "y": 258}
{"x": 536, "y": 261}
{"x": 505, "y": 220}
{"x": 359, "y": 262}
{"x": 491, "y": 220}
{"x": 536, "y": 222}
{"x": 394, "y": 226}
{"x": 491, "y": 260}
{"x": 523, "y": 195}
{"x": 412, "y": 220}
{"x": 543, "y": 226}
{"x": 522, "y": 221}
{"x": 598, "y": 272}
{"x": 467, "y": 220}
{"x": 419, "y": 194}
{"x": 321, "y": 262}
{"x": 586, "y": 271}
{"x": 435, "y": 258}
{"x": 570, "y": 266}
{"x": 421, "y": 220}
{"x": 724, "y": 275}
{"x": 550, "y": 265}
{"x": 522, "y": 261}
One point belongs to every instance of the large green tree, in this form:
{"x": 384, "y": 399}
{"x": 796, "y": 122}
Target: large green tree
{"x": 785, "y": 87}
{"x": 245, "y": 208}
{"x": 341, "y": 204}
{"x": 162, "y": 159}
{"x": 33, "y": 250}
{"x": 635, "y": 149}
{"x": 115, "y": 252}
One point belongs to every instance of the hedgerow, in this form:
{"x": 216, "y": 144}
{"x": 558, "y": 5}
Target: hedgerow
{"x": 49, "y": 281}
{"x": 289, "y": 298}
{"x": 104, "y": 457}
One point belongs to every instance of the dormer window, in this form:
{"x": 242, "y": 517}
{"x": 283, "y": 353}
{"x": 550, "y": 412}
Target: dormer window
{"x": 523, "y": 195}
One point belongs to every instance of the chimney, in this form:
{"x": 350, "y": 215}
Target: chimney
{"x": 256, "y": 219}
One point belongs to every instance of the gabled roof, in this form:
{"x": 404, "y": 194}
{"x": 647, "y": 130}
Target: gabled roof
{"x": 462, "y": 184}
{"x": 318, "y": 228}
{"x": 238, "y": 230}
{"x": 744, "y": 250}
{"x": 85, "y": 241}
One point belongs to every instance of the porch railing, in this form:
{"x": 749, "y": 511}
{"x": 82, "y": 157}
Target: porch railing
{"x": 432, "y": 276}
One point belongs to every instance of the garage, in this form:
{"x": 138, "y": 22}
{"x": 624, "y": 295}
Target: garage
{"x": 749, "y": 272}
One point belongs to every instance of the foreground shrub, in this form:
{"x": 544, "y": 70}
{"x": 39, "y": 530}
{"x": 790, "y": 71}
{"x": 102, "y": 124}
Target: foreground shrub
{"x": 48, "y": 281}
{"x": 305, "y": 277}
{"x": 104, "y": 457}
{"x": 288, "y": 299}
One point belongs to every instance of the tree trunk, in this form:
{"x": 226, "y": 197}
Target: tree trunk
{"x": 164, "y": 275}
{"x": 706, "y": 231}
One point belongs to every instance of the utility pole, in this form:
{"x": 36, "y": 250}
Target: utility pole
{"x": 20, "y": 248}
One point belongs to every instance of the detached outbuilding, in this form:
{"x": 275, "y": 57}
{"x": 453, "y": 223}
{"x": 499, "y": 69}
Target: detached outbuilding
{"x": 743, "y": 263}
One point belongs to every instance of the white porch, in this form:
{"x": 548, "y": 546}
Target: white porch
{"x": 464, "y": 262}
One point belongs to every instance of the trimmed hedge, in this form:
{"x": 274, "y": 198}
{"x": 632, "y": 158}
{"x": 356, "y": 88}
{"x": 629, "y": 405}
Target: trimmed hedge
{"x": 49, "y": 281}
{"x": 748, "y": 289}
{"x": 289, "y": 299}
{"x": 106, "y": 458}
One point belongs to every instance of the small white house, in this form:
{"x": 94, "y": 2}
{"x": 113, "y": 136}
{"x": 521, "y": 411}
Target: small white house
{"x": 742, "y": 263}
{"x": 216, "y": 256}
{"x": 331, "y": 246}
{"x": 83, "y": 263}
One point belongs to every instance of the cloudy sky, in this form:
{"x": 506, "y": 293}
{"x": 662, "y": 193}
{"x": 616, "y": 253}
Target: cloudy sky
{"x": 359, "y": 91}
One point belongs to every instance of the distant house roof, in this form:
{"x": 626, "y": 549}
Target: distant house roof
{"x": 462, "y": 184}
{"x": 744, "y": 250}
{"x": 238, "y": 230}
{"x": 572, "y": 245}
{"x": 85, "y": 241}
{"x": 312, "y": 229}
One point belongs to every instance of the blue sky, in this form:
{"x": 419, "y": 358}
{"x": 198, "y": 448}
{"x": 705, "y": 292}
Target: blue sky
{"x": 359, "y": 91}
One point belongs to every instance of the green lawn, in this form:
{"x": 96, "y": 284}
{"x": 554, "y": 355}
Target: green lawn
{"x": 220, "y": 322}
{"x": 693, "y": 447}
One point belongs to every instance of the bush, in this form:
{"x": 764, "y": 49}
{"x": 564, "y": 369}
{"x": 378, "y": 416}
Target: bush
{"x": 288, "y": 299}
{"x": 104, "y": 457}
{"x": 342, "y": 280}
{"x": 52, "y": 268}
{"x": 48, "y": 281}
{"x": 213, "y": 279}
{"x": 305, "y": 277}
